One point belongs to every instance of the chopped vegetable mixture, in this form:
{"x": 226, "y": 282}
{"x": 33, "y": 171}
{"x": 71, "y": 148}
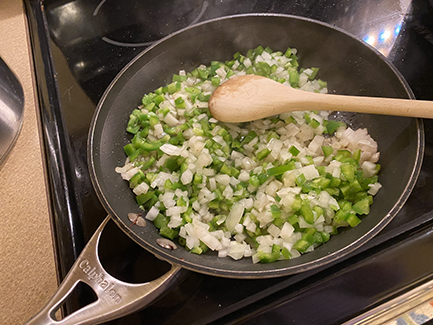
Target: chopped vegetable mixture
{"x": 271, "y": 189}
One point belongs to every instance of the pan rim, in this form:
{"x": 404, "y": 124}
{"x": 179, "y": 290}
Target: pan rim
{"x": 273, "y": 272}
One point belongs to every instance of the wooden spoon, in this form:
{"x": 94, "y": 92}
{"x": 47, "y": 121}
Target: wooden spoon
{"x": 251, "y": 97}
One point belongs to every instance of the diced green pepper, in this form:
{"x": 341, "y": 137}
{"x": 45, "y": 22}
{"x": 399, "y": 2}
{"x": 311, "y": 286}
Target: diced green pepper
{"x": 263, "y": 154}
{"x": 362, "y": 206}
{"x": 353, "y": 220}
{"x": 180, "y": 103}
{"x": 249, "y": 137}
{"x": 332, "y": 126}
{"x": 275, "y": 210}
{"x": 307, "y": 213}
{"x": 174, "y": 87}
{"x": 169, "y": 233}
{"x": 215, "y": 81}
{"x": 281, "y": 169}
{"x": 313, "y": 75}
{"x": 294, "y": 151}
{"x": 160, "y": 221}
{"x": 143, "y": 198}
{"x": 263, "y": 177}
{"x": 327, "y": 150}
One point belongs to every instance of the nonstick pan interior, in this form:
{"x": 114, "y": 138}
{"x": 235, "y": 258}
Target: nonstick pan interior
{"x": 348, "y": 65}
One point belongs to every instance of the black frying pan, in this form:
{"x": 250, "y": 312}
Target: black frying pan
{"x": 348, "y": 65}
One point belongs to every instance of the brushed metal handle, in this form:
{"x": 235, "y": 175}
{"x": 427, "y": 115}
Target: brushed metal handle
{"x": 115, "y": 298}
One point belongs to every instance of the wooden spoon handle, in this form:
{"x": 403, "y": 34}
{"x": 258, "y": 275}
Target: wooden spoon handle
{"x": 370, "y": 105}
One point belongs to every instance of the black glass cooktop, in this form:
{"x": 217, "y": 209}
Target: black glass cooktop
{"x": 79, "y": 46}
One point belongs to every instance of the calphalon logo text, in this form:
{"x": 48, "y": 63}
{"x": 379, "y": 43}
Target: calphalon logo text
{"x": 98, "y": 278}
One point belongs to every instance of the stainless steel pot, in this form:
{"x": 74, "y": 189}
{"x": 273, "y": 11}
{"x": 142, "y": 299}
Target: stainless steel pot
{"x": 11, "y": 109}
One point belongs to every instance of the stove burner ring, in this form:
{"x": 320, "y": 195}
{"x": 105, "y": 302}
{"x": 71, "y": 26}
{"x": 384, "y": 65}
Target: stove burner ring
{"x": 137, "y": 44}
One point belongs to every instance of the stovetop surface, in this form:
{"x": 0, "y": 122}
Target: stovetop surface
{"x": 79, "y": 47}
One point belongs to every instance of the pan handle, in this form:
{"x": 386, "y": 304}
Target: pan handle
{"x": 115, "y": 298}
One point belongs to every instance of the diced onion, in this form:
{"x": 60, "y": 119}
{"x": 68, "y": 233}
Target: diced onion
{"x": 234, "y": 216}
